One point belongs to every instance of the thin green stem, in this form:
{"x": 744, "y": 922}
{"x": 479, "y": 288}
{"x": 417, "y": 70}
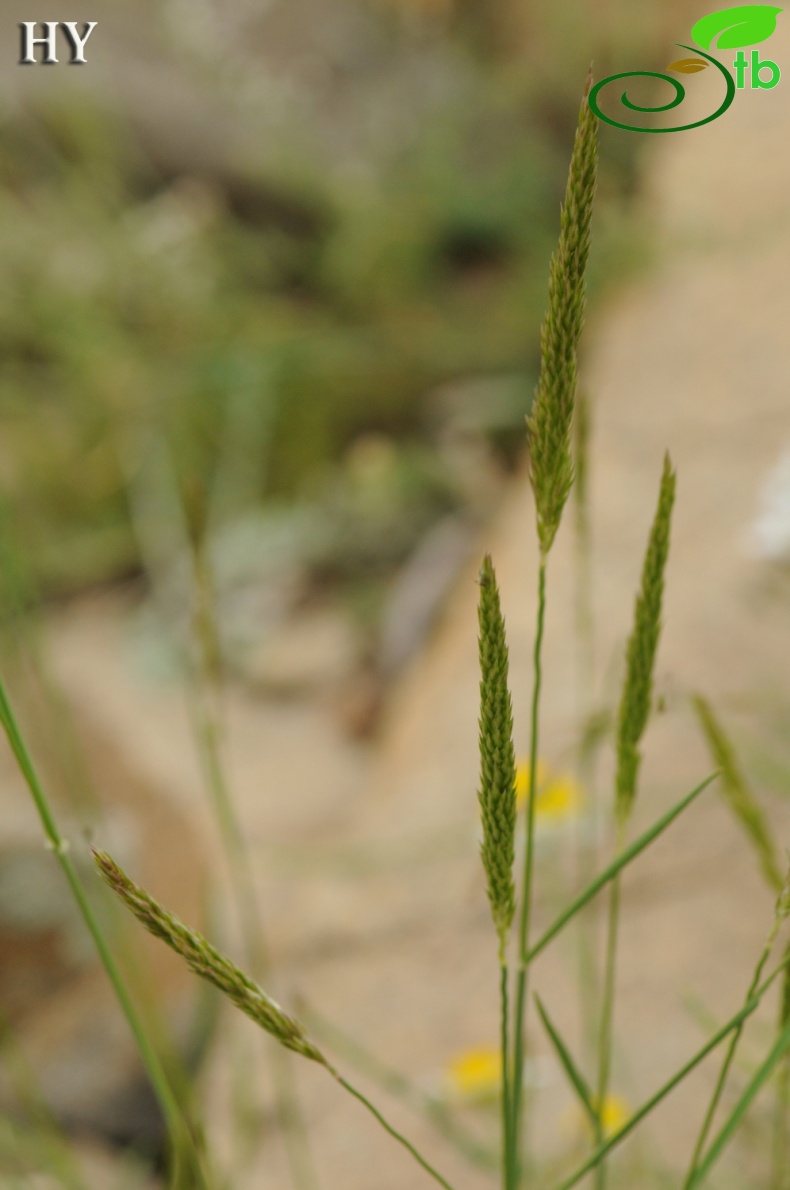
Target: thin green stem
{"x": 607, "y": 1018}
{"x": 583, "y": 604}
{"x": 519, "y": 1039}
{"x": 508, "y": 1180}
{"x": 725, "y": 1066}
{"x": 779, "y": 1168}
{"x": 398, "y": 1085}
{"x": 185, "y": 1154}
{"x": 416, "y": 1154}
{"x": 588, "y": 973}
{"x": 779, "y": 1178}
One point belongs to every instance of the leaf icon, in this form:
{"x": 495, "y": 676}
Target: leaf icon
{"x": 746, "y": 24}
{"x": 688, "y": 65}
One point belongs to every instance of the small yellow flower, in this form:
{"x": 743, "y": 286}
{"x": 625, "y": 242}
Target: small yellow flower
{"x": 475, "y": 1075}
{"x": 522, "y": 780}
{"x": 615, "y": 1113}
{"x": 560, "y": 797}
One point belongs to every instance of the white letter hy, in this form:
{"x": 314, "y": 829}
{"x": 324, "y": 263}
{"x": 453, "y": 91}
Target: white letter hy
{"x": 77, "y": 42}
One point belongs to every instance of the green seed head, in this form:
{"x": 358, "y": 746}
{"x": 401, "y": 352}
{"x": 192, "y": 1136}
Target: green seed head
{"x": 550, "y": 419}
{"x": 207, "y": 962}
{"x": 497, "y": 793}
{"x": 641, "y": 652}
{"x": 741, "y": 799}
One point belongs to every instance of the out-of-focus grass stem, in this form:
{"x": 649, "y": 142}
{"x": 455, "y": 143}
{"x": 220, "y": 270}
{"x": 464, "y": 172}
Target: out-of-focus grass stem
{"x": 186, "y": 1159}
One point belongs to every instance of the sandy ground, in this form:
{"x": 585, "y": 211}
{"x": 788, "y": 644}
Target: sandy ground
{"x": 366, "y": 857}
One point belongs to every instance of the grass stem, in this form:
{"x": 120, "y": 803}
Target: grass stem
{"x": 186, "y": 1159}
{"x": 519, "y": 1031}
{"x": 416, "y": 1154}
{"x": 779, "y": 1165}
{"x": 508, "y": 1173}
{"x": 607, "y": 1013}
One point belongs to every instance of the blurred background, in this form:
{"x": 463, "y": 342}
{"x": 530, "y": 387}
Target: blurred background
{"x": 271, "y": 283}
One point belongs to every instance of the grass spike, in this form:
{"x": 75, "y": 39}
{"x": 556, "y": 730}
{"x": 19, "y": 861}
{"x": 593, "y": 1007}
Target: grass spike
{"x": 641, "y": 651}
{"x": 550, "y": 419}
{"x": 497, "y": 793}
{"x": 740, "y": 797}
{"x": 207, "y": 962}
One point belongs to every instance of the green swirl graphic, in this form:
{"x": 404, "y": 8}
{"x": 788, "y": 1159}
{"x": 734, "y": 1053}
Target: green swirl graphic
{"x": 680, "y": 95}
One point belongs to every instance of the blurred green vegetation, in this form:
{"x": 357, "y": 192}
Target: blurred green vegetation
{"x": 260, "y": 321}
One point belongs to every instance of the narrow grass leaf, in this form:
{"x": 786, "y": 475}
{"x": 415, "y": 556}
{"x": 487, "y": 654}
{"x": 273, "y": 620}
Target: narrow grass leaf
{"x": 575, "y": 1076}
{"x": 757, "y": 1081}
{"x": 497, "y": 793}
{"x": 616, "y": 1137}
{"x": 641, "y": 651}
{"x": 549, "y": 424}
{"x": 623, "y": 859}
{"x": 781, "y": 910}
{"x": 740, "y": 797}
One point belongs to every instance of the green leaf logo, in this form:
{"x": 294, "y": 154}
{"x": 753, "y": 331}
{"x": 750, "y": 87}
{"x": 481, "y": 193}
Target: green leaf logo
{"x": 746, "y": 24}
{"x": 688, "y": 65}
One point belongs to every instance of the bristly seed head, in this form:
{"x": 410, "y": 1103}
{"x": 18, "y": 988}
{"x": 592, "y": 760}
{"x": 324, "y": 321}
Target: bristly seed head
{"x": 742, "y": 800}
{"x": 207, "y": 962}
{"x": 497, "y": 793}
{"x": 641, "y": 652}
{"x": 550, "y": 419}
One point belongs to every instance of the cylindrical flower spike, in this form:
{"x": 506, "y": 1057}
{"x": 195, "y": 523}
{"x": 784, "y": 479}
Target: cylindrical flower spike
{"x": 550, "y": 420}
{"x": 641, "y": 652}
{"x": 497, "y": 791}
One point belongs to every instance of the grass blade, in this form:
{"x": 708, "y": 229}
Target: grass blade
{"x": 575, "y": 1076}
{"x": 622, "y": 860}
{"x": 760, "y": 1076}
{"x": 612, "y": 1141}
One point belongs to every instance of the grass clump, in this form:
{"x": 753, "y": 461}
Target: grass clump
{"x": 550, "y": 428}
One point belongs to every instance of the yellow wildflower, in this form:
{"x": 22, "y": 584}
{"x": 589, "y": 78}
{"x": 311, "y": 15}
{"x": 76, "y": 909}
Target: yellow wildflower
{"x": 475, "y": 1075}
{"x": 616, "y": 1112}
{"x": 560, "y": 797}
